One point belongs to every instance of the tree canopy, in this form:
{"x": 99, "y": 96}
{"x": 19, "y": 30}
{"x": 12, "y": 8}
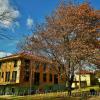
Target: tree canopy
{"x": 69, "y": 37}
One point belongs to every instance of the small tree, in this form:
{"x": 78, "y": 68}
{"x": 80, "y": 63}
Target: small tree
{"x": 69, "y": 37}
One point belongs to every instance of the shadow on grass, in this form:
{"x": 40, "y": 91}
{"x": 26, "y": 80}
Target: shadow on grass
{"x": 41, "y": 98}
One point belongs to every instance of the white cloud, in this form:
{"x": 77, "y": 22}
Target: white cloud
{"x": 4, "y": 54}
{"x": 8, "y": 12}
{"x": 29, "y": 22}
{"x": 16, "y": 25}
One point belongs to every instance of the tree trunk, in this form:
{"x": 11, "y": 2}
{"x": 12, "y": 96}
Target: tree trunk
{"x": 70, "y": 81}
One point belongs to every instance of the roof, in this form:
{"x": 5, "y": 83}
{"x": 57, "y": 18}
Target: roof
{"x": 27, "y": 56}
{"x": 85, "y": 72}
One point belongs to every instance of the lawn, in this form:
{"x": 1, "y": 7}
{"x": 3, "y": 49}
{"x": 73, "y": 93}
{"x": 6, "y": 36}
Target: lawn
{"x": 87, "y": 88}
{"x": 49, "y": 96}
{"x": 32, "y": 97}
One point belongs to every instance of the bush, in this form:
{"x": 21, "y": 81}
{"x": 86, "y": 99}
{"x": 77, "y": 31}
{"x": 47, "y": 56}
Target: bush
{"x": 34, "y": 87}
{"x": 16, "y": 90}
{"x": 23, "y": 91}
{"x": 2, "y": 90}
{"x": 8, "y": 90}
{"x": 54, "y": 88}
{"x": 26, "y": 90}
{"x": 58, "y": 87}
{"x": 47, "y": 87}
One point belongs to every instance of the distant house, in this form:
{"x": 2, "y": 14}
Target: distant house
{"x": 25, "y": 70}
{"x": 87, "y": 79}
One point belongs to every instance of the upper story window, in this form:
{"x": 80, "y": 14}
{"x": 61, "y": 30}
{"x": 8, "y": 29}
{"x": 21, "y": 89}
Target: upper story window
{"x": 55, "y": 79}
{"x": 2, "y": 74}
{"x": 37, "y": 64}
{"x": 27, "y": 63}
{"x": 7, "y": 79}
{"x": 26, "y": 76}
{"x": 15, "y": 63}
{"x": 14, "y": 76}
{"x": 50, "y": 77}
{"x": 26, "y": 69}
{"x": 44, "y": 66}
{"x": 0, "y": 64}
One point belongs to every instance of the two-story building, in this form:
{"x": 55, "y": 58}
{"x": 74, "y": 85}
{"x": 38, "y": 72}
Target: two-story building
{"x": 23, "y": 70}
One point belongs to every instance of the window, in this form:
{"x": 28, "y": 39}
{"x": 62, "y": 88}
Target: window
{"x": 2, "y": 74}
{"x": 14, "y": 75}
{"x": 50, "y": 77}
{"x": 44, "y": 66}
{"x": 7, "y": 79}
{"x": 37, "y": 66}
{"x": 26, "y": 76}
{"x": 55, "y": 79}
{"x": 27, "y": 64}
{"x": 26, "y": 70}
{"x": 0, "y": 64}
{"x": 15, "y": 63}
{"x": 44, "y": 77}
{"x": 36, "y": 78}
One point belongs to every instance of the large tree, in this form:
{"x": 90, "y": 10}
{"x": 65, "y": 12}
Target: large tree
{"x": 69, "y": 37}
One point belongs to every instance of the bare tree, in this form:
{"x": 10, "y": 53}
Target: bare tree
{"x": 69, "y": 37}
{"x": 8, "y": 15}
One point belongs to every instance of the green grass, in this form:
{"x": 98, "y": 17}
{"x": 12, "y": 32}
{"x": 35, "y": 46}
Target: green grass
{"x": 48, "y": 96}
{"x": 87, "y": 88}
{"x": 38, "y": 98}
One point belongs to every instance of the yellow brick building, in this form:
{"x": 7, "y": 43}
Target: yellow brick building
{"x": 24, "y": 69}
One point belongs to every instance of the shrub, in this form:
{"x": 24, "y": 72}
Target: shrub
{"x": 34, "y": 87}
{"x": 58, "y": 87}
{"x": 54, "y": 88}
{"x": 8, "y": 90}
{"x": 2, "y": 90}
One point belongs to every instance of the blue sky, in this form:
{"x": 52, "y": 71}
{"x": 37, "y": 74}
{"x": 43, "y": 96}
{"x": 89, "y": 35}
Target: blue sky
{"x": 27, "y": 12}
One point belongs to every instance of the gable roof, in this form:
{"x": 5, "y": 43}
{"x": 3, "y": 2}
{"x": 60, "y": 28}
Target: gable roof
{"x": 27, "y": 56}
{"x": 85, "y": 72}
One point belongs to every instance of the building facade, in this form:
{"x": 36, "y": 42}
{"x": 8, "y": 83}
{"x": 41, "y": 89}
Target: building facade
{"x": 25, "y": 70}
{"x": 87, "y": 78}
